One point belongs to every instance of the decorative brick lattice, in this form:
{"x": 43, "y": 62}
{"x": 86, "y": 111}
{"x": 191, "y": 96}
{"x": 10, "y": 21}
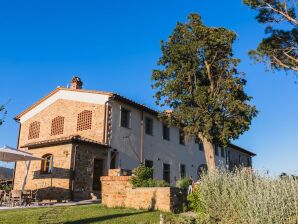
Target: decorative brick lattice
{"x": 57, "y": 126}
{"x": 84, "y": 120}
{"x": 34, "y": 130}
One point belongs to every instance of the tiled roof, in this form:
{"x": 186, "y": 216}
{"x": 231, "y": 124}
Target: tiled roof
{"x": 242, "y": 150}
{"x": 113, "y": 96}
{"x": 63, "y": 140}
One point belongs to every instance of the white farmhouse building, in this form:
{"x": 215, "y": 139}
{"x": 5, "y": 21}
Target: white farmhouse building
{"x": 82, "y": 133}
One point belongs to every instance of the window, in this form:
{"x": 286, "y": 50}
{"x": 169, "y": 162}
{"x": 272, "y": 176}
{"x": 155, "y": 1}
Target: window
{"x": 165, "y": 132}
{"x": 240, "y": 160}
{"x": 113, "y": 160}
{"x": 47, "y": 164}
{"x": 181, "y": 137}
{"x": 216, "y": 150}
{"x": 200, "y": 144}
{"x": 149, "y": 163}
{"x": 182, "y": 171}
{"x": 248, "y": 161}
{"x": 222, "y": 150}
{"x": 84, "y": 120}
{"x": 34, "y": 130}
{"x": 148, "y": 126}
{"x": 125, "y": 118}
{"x": 57, "y": 126}
{"x": 228, "y": 157}
{"x": 166, "y": 173}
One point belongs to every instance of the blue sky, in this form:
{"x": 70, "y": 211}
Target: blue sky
{"x": 114, "y": 45}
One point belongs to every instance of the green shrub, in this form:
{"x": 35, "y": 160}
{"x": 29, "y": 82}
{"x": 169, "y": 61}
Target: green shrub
{"x": 195, "y": 201}
{"x": 183, "y": 183}
{"x": 178, "y": 219}
{"x": 142, "y": 177}
{"x": 241, "y": 197}
{"x": 158, "y": 183}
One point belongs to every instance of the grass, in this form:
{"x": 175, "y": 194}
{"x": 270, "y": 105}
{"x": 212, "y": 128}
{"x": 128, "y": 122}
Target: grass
{"x": 81, "y": 214}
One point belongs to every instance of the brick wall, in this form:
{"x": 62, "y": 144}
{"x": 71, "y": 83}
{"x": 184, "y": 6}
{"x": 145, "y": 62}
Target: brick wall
{"x": 54, "y": 186}
{"x": 58, "y": 184}
{"x": 83, "y": 176}
{"x": 118, "y": 191}
{"x": 69, "y": 110}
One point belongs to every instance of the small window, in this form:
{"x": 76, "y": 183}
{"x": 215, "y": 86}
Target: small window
{"x": 216, "y": 150}
{"x": 34, "y": 130}
{"x": 148, "y": 126}
{"x": 165, "y": 132}
{"x": 222, "y": 150}
{"x": 240, "y": 159}
{"x": 113, "y": 160}
{"x": 228, "y": 157}
{"x": 47, "y": 164}
{"x": 84, "y": 120}
{"x": 125, "y": 118}
{"x": 149, "y": 163}
{"x": 248, "y": 161}
{"x": 200, "y": 144}
{"x": 166, "y": 173}
{"x": 182, "y": 171}
{"x": 57, "y": 126}
{"x": 181, "y": 137}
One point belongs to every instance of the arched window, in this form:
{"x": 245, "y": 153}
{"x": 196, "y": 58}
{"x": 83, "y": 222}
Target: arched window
{"x": 47, "y": 163}
{"x": 34, "y": 130}
{"x": 84, "y": 120}
{"x": 57, "y": 126}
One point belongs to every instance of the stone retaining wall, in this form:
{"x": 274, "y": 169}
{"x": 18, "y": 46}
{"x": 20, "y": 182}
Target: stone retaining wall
{"x": 117, "y": 191}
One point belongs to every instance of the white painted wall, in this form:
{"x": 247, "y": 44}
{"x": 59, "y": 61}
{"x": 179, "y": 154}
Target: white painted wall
{"x": 156, "y": 149}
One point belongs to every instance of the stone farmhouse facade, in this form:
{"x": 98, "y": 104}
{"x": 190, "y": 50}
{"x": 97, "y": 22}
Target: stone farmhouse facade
{"x": 81, "y": 134}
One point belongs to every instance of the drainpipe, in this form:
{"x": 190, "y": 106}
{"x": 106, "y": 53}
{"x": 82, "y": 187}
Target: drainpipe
{"x": 142, "y": 136}
{"x": 73, "y": 172}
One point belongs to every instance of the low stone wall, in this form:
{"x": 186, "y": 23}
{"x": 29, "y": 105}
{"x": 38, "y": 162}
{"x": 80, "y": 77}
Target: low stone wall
{"x": 117, "y": 191}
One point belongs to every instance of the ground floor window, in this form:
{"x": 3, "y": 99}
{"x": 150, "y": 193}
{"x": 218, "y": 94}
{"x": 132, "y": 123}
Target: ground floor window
{"x": 166, "y": 173}
{"x": 47, "y": 163}
{"x": 182, "y": 171}
{"x": 149, "y": 163}
{"x": 113, "y": 160}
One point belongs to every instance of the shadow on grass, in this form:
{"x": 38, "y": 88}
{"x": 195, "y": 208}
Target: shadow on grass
{"x": 104, "y": 218}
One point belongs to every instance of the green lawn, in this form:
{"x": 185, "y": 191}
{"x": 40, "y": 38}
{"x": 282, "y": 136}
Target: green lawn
{"x": 78, "y": 214}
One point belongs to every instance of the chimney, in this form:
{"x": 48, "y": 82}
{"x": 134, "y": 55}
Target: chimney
{"x": 76, "y": 83}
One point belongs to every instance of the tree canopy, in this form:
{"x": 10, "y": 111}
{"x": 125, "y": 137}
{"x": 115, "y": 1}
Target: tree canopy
{"x": 2, "y": 114}
{"x": 198, "y": 80}
{"x": 280, "y": 47}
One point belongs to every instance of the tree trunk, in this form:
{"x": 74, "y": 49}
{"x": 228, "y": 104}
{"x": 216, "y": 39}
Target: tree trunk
{"x": 209, "y": 155}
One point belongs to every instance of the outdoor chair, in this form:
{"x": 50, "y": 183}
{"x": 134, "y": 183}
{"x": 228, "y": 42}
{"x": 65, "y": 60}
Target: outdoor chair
{"x": 15, "y": 198}
{"x": 34, "y": 196}
{"x": 2, "y": 194}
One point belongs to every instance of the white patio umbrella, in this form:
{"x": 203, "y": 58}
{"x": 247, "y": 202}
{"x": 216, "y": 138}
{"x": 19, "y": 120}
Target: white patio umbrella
{"x": 9, "y": 154}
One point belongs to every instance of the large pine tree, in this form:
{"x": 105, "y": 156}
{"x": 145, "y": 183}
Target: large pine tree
{"x": 279, "y": 49}
{"x": 198, "y": 80}
{"x": 3, "y": 113}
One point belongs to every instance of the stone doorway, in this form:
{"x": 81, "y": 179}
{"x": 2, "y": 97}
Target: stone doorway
{"x": 98, "y": 171}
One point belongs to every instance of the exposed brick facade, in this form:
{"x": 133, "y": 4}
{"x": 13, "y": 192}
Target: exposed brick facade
{"x": 59, "y": 184}
{"x": 118, "y": 191}
{"x": 69, "y": 110}
{"x": 49, "y": 185}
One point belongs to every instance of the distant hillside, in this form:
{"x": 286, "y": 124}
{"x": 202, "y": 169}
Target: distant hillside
{"x": 6, "y": 173}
